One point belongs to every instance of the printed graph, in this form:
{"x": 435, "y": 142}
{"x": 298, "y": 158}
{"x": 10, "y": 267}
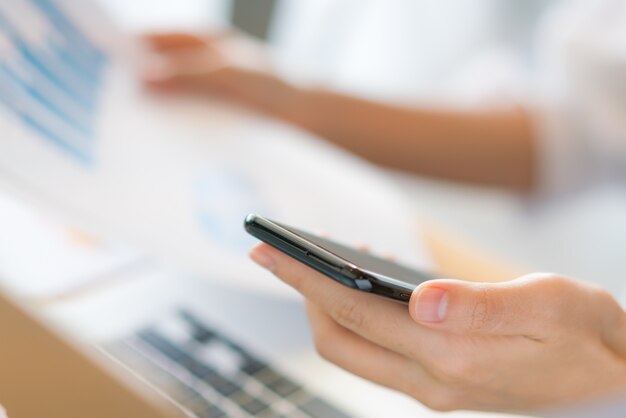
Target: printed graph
{"x": 223, "y": 197}
{"x": 50, "y": 75}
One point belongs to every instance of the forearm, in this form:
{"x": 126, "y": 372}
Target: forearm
{"x": 487, "y": 147}
{"x": 493, "y": 147}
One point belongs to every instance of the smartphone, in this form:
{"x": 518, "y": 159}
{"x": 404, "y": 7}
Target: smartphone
{"x": 350, "y": 267}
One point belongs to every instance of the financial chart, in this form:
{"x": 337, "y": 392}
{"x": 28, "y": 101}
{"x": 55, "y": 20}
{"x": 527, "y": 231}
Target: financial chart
{"x": 50, "y": 75}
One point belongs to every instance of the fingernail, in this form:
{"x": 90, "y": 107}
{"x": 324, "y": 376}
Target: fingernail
{"x": 262, "y": 258}
{"x": 432, "y": 304}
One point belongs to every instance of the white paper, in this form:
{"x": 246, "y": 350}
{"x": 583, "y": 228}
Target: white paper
{"x": 42, "y": 258}
{"x": 172, "y": 176}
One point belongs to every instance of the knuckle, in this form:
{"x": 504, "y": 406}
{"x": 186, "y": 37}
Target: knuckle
{"x": 604, "y": 297}
{"x": 610, "y": 314}
{"x": 486, "y": 312}
{"x": 349, "y": 314}
{"x": 554, "y": 283}
{"x": 548, "y": 284}
{"x": 556, "y": 293}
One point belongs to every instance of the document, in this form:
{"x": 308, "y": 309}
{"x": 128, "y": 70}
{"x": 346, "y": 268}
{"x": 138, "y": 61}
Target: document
{"x": 170, "y": 176}
{"x": 42, "y": 259}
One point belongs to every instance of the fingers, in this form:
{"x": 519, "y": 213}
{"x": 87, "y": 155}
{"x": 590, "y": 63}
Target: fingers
{"x": 182, "y": 60}
{"x": 383, "y": 322}
{"x": 375, "y": 363}
{"x": 199, "y": 70}
{"x": 224, "y": 65}
{"x": 169, "y": 41}
{"x": 534, "y": 306}
{"x": 359, "y": 356}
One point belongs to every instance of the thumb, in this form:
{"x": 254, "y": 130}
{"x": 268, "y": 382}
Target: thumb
{"x": 526, "y": 306}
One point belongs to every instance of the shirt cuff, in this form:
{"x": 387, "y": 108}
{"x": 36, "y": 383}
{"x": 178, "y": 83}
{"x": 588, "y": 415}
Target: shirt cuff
{"x": 613, "y": 407}
{"x": 564, "y": 158}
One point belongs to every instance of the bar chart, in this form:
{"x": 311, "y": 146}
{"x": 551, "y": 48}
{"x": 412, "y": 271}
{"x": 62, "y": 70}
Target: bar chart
{"x": 50, "y": 75}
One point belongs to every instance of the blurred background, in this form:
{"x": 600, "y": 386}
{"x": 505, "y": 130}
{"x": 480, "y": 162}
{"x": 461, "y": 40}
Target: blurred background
{"x": 417, "y": 51}
{"x": 475, "y": 53}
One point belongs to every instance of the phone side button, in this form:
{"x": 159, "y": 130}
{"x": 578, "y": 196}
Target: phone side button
{"x": 363, "y": 284}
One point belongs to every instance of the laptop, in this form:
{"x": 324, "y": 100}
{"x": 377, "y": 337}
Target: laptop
{"x": 58, "y": 379}
{"x": 179, "y": 366}
{"x": 160, "y": 344}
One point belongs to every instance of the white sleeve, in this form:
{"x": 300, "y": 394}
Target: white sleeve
{"x": 613, "y": 407}
{"x": 580, "y": 111}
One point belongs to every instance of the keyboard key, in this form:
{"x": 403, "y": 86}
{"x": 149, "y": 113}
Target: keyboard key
{"x": 284, "y": 387}
{"x": 175, "y": 329}
{"x": 267, "y": 376}
{"x": 166, "y": 347}
{"x": 249, "y": 403}
{"x": 273, "y": 414}
{"x": 224, "y": 386}
{"x": 220, "y": 357}
{"x": 318, "y": 408}
{"x": 253, "y": 366}
{"x": 212, "y": 412}
{"x": 255, "y": 406}
{"x": 201, "y": 371}
{"x": 200, "y": 332}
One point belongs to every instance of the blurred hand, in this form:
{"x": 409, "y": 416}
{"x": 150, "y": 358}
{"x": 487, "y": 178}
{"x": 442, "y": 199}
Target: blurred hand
{"x": 538, "y": 341}
{"x": 229, "y": 66}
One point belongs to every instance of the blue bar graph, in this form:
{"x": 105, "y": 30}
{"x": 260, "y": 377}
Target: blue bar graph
{"x": 52, "y": 87}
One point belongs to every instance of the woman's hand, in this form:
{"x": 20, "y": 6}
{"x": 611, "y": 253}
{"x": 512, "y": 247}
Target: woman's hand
{"x": 535, "y": 342}
{"x": 229, "y": 66}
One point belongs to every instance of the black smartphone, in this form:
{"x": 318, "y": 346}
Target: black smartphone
{"x": 348, "y": 266}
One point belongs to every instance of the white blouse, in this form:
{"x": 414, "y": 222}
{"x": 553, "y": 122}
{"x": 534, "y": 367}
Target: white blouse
{"x": 581, "y": 91}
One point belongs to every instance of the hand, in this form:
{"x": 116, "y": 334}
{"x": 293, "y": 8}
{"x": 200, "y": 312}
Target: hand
{"x": 535, "y": 342}
{"x": 229, "y": 66}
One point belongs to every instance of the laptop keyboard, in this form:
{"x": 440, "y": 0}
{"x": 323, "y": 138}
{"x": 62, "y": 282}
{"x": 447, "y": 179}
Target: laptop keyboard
{"x": 211, "y": 375}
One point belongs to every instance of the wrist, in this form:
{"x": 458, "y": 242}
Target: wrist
{"x": 264, "y": 92}
{"x": 276, "y": 97}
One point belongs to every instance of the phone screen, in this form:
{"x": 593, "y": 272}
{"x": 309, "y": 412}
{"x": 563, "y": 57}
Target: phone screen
{"x": 364, "y": 260}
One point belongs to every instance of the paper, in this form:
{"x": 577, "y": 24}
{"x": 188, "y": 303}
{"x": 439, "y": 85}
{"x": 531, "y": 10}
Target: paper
{"x": 171, "y": 176}
{"x": 42, "y": 259}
